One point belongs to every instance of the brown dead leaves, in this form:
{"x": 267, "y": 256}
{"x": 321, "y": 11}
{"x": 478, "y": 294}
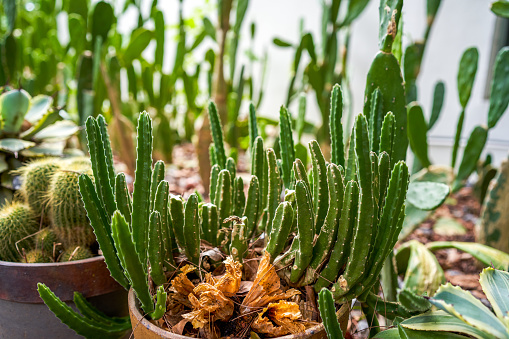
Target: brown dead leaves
{"x": 210, "y": 301}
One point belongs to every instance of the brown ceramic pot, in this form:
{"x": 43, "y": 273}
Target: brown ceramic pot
{"x": 24, "y": 315}
{"x": 145, "y": 329}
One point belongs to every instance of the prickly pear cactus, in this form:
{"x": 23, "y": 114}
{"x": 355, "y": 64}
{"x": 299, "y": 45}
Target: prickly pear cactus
{"x": 17, "y": 221}
{"x": 36, "y": 178}
{"x": 492, "y": 229}
{"x": 37, "y": 256}
{"x": 75, "y": 252}
{"x": 66, "y": 211}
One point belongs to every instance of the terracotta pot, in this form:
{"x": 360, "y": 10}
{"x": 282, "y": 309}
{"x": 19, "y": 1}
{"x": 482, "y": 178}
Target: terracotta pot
{"x": 145, "y": 329}
{"x": 23, "y": 313}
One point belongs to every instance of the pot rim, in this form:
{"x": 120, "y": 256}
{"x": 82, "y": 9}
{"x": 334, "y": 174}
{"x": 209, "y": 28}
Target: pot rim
{"x": 91, "y": 277}
{"x": 51, "y": 264}
{"x": 142, "y": 321}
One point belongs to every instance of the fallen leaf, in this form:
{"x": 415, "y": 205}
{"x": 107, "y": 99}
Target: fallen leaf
{"x": 279, "y": 319}
{"x": 266, "y": 288}
{"x": 181, "y": 283}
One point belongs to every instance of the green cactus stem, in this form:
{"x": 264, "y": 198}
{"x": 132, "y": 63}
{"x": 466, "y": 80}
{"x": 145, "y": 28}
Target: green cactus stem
{"x": 336, "y": 126}
{"x": 328, "y": 314}
{"x": 192, "y": 230}
{"x": 141, "y": 193}
{"x": 66, "y": 211}
{"x": 281, "y": 227}
{"x": 36, "y": 178}
{"x": 156, "y": 248}
{"x": 287, "y": 146}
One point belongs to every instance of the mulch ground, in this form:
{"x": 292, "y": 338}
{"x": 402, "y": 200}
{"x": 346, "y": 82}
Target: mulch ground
{"x": 460, "y": 268}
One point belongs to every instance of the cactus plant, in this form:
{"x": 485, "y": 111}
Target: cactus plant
{"x": 36, "y": 179}
{"x": 462, "y": 313}
{"x": 492, "y": 227}
{"x": 17, "y": 221}
{"x": 36, "y": 256}
{"x": 66, "y": 212}
{"x": 44, "y": 240}
{"x": 72, "y": 253}
{"x": 42, "y": 134}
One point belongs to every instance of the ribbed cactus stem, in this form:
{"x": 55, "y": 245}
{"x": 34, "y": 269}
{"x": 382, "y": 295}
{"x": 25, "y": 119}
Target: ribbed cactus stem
{"x": 287, "y": 146}
{"x": 102, "y": 229}
{"x": 177, "y": 220}
{"x": 192, "y": 230}
{"x": 161, "y": 205}
{"x": 131, "y": 260}
{"x": 328, "y": 315}
{"x": 239, "y": 243}
{"x": 141, "y": 194}
{"x": 157, "y": 176}
{"x": 155, "y": 249}
{"x": 305, "y": 230}
{"x": 341, "y": 249}
{"x": 320, "y": 187}
{"x": 217, "y": 135}
{"x": 124, "y": 203}
{"x": 281, "y": 227}
{"x": 102, "y": 163}
{"x": 274, "y": 191}
{"x": 252, "y": 208}
{"x": 252, "y": 126}
{"x": 210, "y": 223}
{"x": 361, "y": 244}
{"x": 336, "y": 126}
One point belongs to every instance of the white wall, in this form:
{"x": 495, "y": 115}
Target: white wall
{"x": 459, "y": 24}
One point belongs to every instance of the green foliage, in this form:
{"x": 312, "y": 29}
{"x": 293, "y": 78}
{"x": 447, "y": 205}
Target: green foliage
{"x": 491, "y": 229}
{"x": 91, "y": 323}
{"x": 461, "y": 312}
{"x": 328, "y": 314}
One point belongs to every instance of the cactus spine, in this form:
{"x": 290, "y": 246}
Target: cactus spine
{"x": 36, "y": 179}
{"x": 67, "y": 214}
{"x": 73, "y": 253}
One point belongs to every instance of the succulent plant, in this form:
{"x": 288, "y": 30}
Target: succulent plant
{"x": 36, "y": 179}
{"x": 44, "y": 240}
{"x": 492, "y": 228}
{"x": 32, "y": 128}
{"x": 66, "y": 212}
{"x": 76, "y": 252}
{"x": 462, "y": 313}
{"x": 37, "y": 256}
{"x": 17, "y": 221}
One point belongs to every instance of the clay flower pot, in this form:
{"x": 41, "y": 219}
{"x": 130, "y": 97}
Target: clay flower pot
{"x": 145, "y": 329}
{"x": 24, "y": 315}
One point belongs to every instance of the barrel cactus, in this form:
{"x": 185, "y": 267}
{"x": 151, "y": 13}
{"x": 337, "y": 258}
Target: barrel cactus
{"x": 75, "y": 252}
{"x": 17, "y": 221}
{"x": 44, "y": 240}
{"x": 67, "y": 214}
{"x": 37, "y": 256}
{"x": 36, "y": 178}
